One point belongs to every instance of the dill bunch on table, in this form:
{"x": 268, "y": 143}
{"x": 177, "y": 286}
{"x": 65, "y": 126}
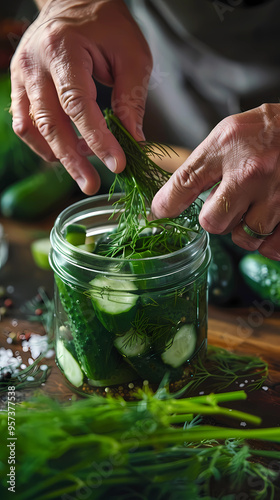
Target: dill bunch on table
{"x": 108, "y": 448}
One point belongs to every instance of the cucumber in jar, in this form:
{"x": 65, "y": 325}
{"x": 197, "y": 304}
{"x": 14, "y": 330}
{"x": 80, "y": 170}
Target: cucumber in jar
{"x": 67, "y": 359}
{"x": 182, "y": 347}
{"x": 94, "y": 347}
{"x": 115, "y": 303}
{"x": 139, "y": 353}
{"x": 173, "y": 309}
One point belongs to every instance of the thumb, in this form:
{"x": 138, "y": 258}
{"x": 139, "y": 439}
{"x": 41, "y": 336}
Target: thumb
{"x": 129, "y": 98}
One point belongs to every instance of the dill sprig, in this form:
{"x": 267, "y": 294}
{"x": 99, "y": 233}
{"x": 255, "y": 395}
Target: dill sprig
{"x": 116, "y": 449}
{"x": 220, "y": 369}
{"x": 27, "y": 378}
{"x": 140, "y": 181}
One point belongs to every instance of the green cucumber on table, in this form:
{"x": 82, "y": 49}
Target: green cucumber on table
{"x": 17, "y": 160}
{"x": 262, "y": 275}
{"x": 115, "y": 302}
{"x": 37, "y": 194}
{"x": 93, "y": 343}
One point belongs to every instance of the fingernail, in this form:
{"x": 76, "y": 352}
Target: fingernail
{"x": 81, "y": 181}
{"x": 140, "y": 133}
{"x": 110, "y": 163}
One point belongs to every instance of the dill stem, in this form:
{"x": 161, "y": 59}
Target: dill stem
{"x": 119, "y": 124}
{"x": 136, "y": 144}
{"x": 216, "y": 410}
{"x": 213, "y": 398}
{"x": 178, "y": 419}
{"x": 265, "y": 453}
{"x": 208, "y": 432}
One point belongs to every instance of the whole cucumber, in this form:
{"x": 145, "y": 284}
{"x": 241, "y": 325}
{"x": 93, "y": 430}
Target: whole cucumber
{"x": 37, "y": 194}
{"x": 262, "y": 275}
{"x": 94, "y": 347}
{"x": 17, "y": 160}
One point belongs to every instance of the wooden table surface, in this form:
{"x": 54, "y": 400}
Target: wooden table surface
{"x": 250, "y": 330}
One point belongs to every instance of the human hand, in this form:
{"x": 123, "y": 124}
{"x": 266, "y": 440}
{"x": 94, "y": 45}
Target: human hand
{"x": 52, "y": 85}
{"x": 243, "y": 153}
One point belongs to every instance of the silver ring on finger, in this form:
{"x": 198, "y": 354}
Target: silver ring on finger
{"x": 254, "y": 234}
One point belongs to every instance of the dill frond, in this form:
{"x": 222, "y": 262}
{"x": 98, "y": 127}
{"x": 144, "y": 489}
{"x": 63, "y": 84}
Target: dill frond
{"x": 140, "y": 181}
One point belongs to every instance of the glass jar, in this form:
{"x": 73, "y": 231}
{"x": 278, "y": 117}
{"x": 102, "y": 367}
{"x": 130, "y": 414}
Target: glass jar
{"x": 3, "y": 248}
{"x": 123, "y": 322}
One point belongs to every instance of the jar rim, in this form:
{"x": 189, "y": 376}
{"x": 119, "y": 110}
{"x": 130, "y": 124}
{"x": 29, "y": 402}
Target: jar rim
{"x": 193, "y": 254}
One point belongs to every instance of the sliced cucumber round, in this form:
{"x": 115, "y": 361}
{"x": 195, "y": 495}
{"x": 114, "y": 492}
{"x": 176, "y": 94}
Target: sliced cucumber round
{"x": 69, "y": 365}
{"x": 131, "y": 344}
{"x": 113, "y": 303}
{"x": 182, "y": 347}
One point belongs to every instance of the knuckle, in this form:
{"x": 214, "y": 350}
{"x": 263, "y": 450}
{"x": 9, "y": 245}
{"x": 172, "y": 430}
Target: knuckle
{"x": 20, "y": 127}
{"x": 53, "y": 42}
{"x": 72, "y": 103}
{"x": 252, "y": 168}
{"x": 212, "y": 224}
{"x": 228, "y": 130}
{"x": 23, "y": 61}
{"x": 187, "y": 178}
{"x": 46, "y": 128}
{"x": 266, "y": 110}
{"x": 50, "y": 47}
{"x": 161, "y": 209}
{"x": 138, "y": 105}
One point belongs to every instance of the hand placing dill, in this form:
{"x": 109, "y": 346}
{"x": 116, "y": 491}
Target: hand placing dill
{"x": 139, "y": 182}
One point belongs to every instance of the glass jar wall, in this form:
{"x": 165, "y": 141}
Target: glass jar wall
{"x": 119, "y": 321}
